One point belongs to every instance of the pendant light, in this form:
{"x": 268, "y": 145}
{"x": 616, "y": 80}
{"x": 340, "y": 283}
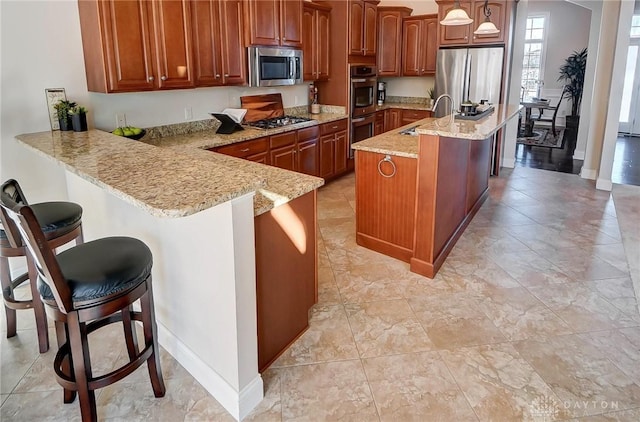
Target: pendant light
{"x": 456, "y": 16}
{"x": 486, "y": 27}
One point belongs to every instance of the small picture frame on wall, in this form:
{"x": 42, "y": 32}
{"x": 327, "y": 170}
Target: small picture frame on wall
{"x": 53, "y": 96}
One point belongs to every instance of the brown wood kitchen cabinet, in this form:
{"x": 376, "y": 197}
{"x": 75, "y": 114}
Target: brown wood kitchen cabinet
{"x": 463, "y": 34}
{"x": 379, "y": 125}
{"x": 390, "y": 40}
{"x": 253, "y": 150}
{"x": 334, "y": 148}
{"x": 217, "y": 38}
{"x": 296, "y": 150}
{"x": 362, "y": 27}
{"x": 315, "y": 41}
{"x": 136, "y": 45}
{"x": 274, "y": 22}
{"x": 420, "y": 45}
{"x": 410, "y": 116}
{"x": 394, "y": 119}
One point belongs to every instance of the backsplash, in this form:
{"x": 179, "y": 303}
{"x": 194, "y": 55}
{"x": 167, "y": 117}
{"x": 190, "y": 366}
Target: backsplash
{"x": 407, "y": 100}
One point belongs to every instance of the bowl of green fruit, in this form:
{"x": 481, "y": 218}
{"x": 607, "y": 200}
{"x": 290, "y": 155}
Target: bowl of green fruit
{"x": 130, "y": 132}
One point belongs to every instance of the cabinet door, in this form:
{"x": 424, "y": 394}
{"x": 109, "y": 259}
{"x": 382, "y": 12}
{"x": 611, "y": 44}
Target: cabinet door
{"x": 378, "y": 127}
{"x": 451, "y": 35}
{"x": 389, "y": 43}
{"x": 498, "y": 17}
{"x": 263, "y": 22}
{"x": 127, "y": 46}
{"x": 323, "y": 26}
{"x": 309, "y": 44}
{"x": 206, "y": 41}
{"x": 370, "y": 29}
{"x": 172, "y": 28}
{"x": 308, "y": 157}
{"x": 356, "y": 41}
{"x": 233, "y": 52}
{"x": 291, "y": 23}
{"x": 410, "y": 116}
{"x": 395, "y": 118}
{"x": 327, "y": 155}
{"x": 341, "y": 152}
{"x": 262, "y": 158}
{"x": 411, "y": 47}
{"x": 429, "y": 45}
{"x": 284, "y": 158}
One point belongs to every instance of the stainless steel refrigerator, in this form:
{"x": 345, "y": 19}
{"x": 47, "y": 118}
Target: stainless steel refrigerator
{"x": 468, "y": 74}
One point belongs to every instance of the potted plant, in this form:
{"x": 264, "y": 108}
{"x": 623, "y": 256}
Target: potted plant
{"x": 62, "y": 109}
{"x": 572, "y": 74}
{"x": 431, "y": 96}
{"x": 78, "y": 118}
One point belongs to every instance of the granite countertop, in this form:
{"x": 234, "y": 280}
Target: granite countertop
{"x": 394, "y": 143}
{"x": 150, "y": 178}
{"x": 152, "y": 175}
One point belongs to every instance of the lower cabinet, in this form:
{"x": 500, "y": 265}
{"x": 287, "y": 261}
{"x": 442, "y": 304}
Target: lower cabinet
{"x": 286, "y": 275}
{"x": 254, "y": 150}
{"x": 410, "y": 116}
{"x": 379, "y": 125}
{"x": 394, "y": 119}
{"x": 334, "y": 148}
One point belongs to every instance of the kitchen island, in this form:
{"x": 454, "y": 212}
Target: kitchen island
{"x": 196, "y": 211}
{"x": 415, "y": 195}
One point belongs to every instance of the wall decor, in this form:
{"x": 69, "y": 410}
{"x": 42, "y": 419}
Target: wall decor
{"x": 53, "y": 96}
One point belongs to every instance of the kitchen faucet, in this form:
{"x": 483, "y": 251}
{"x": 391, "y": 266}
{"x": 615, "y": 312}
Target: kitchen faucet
{"x": 453, "y": 105}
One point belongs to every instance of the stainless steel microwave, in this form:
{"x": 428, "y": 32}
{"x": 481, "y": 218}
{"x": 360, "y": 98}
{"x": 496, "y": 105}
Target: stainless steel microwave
{"x": 274, "y": 66}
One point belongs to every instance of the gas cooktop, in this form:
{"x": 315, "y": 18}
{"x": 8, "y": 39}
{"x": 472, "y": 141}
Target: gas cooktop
{"x": 275, "y": 122}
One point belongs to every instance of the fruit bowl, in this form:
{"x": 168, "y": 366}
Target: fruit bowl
{"x": 138, "y": 136}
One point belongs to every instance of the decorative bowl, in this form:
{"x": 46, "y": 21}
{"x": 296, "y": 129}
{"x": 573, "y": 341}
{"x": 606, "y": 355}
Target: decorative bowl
{"x": 138, "y": 136}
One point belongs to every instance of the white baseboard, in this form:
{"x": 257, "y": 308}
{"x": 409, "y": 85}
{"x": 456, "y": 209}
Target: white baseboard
{"x": 238, "y": 403}
{"x": 509, "y": 162}
{"x": 590, "y": 174}
{"x": 603, "y": 184}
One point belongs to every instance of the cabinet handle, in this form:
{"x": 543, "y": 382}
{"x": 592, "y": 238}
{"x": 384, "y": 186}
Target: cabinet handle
{"x": 335, "y": 127}
{"x": 245, "y": 150}
{"x": 217, "y": 75}
{"x": 387, "y": 158}
{"x": 151, "y": 78}
{"x": 163, "y": 78}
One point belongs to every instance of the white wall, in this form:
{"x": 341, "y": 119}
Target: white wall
{"x": 420, "y": 7}
{"x": 410, "y": 86}
{"x": 41, "y": 47}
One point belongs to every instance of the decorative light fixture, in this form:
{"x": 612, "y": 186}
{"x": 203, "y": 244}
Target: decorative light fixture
{"x": 456, "y": 16}
{"x": 486, "y": 27}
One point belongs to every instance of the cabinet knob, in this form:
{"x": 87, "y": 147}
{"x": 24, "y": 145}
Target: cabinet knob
{"x": 422, "y": 70}
{"x": 474, "y": 37}
{"x": 284, "y": 38}
{"x": 226, "y": 75}
{"x": 277, "y": 38}
{"x": 163, "y": 78}
{"x": 151, "y": 78}
{"x": 466, "y": 37}
{"x": 217, "y": 75}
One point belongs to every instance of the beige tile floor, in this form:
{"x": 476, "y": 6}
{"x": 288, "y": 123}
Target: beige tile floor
{"x": 533, "y": 317}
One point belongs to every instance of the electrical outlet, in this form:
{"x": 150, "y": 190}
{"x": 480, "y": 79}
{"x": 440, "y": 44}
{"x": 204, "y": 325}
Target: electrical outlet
{"x": 188, "y": 113}
{"x": 121, "y": 120}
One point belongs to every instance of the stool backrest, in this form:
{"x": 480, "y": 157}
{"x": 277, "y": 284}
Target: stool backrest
{"x": 22, "y": 227}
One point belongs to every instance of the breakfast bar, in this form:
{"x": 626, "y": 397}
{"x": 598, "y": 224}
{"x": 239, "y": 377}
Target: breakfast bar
{"x": 415, "y": 195}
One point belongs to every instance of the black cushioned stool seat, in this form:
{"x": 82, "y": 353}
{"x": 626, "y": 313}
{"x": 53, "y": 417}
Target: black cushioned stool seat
{"x": 101, "y": 269}
{"x": 84, "y": 289}
{"x": 61, "y": 223}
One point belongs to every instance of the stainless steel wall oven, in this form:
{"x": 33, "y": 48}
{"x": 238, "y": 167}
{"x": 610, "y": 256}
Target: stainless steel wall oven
{"x": 363, "y": 103}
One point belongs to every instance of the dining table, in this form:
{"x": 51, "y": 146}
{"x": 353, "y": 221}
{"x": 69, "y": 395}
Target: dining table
{"x": 529, "y": 121}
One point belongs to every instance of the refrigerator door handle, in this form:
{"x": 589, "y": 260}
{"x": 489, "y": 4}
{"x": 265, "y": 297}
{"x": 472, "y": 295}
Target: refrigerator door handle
{"x": 467, "y": 79}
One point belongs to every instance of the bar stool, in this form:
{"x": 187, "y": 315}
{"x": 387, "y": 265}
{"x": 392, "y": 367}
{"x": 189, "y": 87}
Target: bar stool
{"x": 61, "y": 223}
{"x": 86, "y": 288}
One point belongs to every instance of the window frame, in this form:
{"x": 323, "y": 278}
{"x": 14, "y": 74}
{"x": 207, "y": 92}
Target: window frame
{"x": 543, "y": 52}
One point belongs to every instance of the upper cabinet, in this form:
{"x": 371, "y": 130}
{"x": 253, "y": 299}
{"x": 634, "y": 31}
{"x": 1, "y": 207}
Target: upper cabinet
{"x": 274, "y": 22}
{"x": 463, "y": 35}
{"x": 136, "y": 45}
{"x": 217, "y": 39}
{"x": 390, "y": 40}
{"x": 420, "y": 45}
{"x": 363, "y": 17}
{"x": 315, "y": 41}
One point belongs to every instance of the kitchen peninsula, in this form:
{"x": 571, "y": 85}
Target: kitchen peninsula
{"x": 415, "y": 195}
{"x": 196, "y": 211}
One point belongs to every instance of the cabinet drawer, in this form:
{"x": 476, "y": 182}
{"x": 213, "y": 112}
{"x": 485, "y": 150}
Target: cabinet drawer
{"x": 333, "y": 127}
{"x": 415, "y": 114}
{"x": 308, "y": 133}
{"x": 283, "y": 139}
{"x": 245, "y": 149}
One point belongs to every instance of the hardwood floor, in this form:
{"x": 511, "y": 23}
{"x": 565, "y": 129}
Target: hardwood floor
{"x": 626, "y": 163}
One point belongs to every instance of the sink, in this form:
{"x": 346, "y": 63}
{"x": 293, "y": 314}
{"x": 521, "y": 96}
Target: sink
{"x": 409, "y": 131}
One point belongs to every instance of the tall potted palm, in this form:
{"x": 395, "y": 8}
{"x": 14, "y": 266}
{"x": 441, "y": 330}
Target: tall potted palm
{"x": 572, "y": 74}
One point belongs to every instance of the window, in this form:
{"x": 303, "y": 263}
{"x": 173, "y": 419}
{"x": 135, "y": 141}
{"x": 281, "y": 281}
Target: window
{"x": 532, "y": 64}
{"x": 635, "y": 26}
